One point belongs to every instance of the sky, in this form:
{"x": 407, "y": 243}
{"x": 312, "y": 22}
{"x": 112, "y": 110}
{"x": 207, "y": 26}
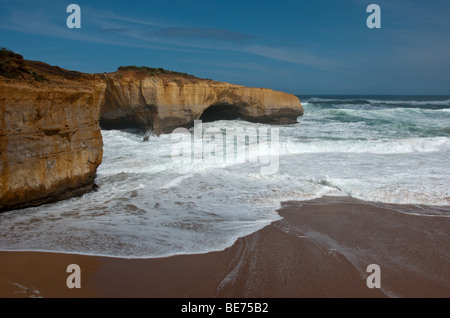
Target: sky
{"x": 304, "y": 47}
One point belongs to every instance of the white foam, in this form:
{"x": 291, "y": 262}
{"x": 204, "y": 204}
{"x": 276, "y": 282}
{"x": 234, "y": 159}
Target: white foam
{"x": 362, "y": 101}
{"x": 147, "y": 205}
{"x": 411, "y": 102}
{"x": 400, "y": 146}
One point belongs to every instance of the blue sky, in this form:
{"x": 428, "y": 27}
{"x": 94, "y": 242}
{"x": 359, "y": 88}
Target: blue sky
{"x": 301, "y": 47}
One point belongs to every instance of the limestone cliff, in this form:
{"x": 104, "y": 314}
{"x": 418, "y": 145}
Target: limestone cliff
{"x": 50, "y": 139}
{"x": 166, "y": 101}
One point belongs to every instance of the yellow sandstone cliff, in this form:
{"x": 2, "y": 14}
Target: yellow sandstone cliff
{"x": 50, "y": 138}
{"x": 165, "y": 102}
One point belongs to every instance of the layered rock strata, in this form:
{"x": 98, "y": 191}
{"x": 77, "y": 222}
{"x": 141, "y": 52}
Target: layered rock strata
{"x": 50, "y": 137}
{"x": 163, "y": 103}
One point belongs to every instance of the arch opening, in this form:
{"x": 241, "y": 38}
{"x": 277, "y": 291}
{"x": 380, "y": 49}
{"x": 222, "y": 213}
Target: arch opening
{"x": 220, "y": 112}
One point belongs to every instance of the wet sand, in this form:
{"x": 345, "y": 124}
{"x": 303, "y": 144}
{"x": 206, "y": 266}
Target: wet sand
{"x": 321, "y": 248}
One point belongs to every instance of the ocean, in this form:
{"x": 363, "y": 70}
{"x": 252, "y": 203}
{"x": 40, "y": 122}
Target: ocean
{"x": 199, "y": 192}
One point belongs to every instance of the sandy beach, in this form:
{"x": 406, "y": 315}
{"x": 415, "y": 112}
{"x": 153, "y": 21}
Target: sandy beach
{"x": 201, "y": 152}
{"x": 321, "y": 248}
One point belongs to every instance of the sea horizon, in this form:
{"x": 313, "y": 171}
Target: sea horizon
{"x": 176, "y": 151}
{"x": 144, "y": 202}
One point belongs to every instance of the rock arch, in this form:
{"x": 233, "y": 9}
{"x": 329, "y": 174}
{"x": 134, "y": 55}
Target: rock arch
{"x": 221, "y": 112}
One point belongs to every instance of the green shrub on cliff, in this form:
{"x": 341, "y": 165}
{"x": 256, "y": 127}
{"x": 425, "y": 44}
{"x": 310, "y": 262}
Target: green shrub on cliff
{"x": 155, "y": 71}
{"x": 37, "y": 77}
{"x": 5, "y": 54}
{"x": 12, "y": 65}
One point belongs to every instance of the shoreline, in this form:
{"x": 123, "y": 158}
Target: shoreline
{"x": 321, "y": 248}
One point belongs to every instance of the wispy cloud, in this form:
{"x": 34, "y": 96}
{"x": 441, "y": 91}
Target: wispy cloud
{"x": 108, "y": 15}
{"x": 203, "y": 33}
{"x": 113, "y": 29}
{"x": 292, "y": 55}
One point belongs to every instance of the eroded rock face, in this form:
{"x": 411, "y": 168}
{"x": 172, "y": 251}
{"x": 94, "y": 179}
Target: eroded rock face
{"x": 133, "y": 100}
{"x": 50, "y": 140}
